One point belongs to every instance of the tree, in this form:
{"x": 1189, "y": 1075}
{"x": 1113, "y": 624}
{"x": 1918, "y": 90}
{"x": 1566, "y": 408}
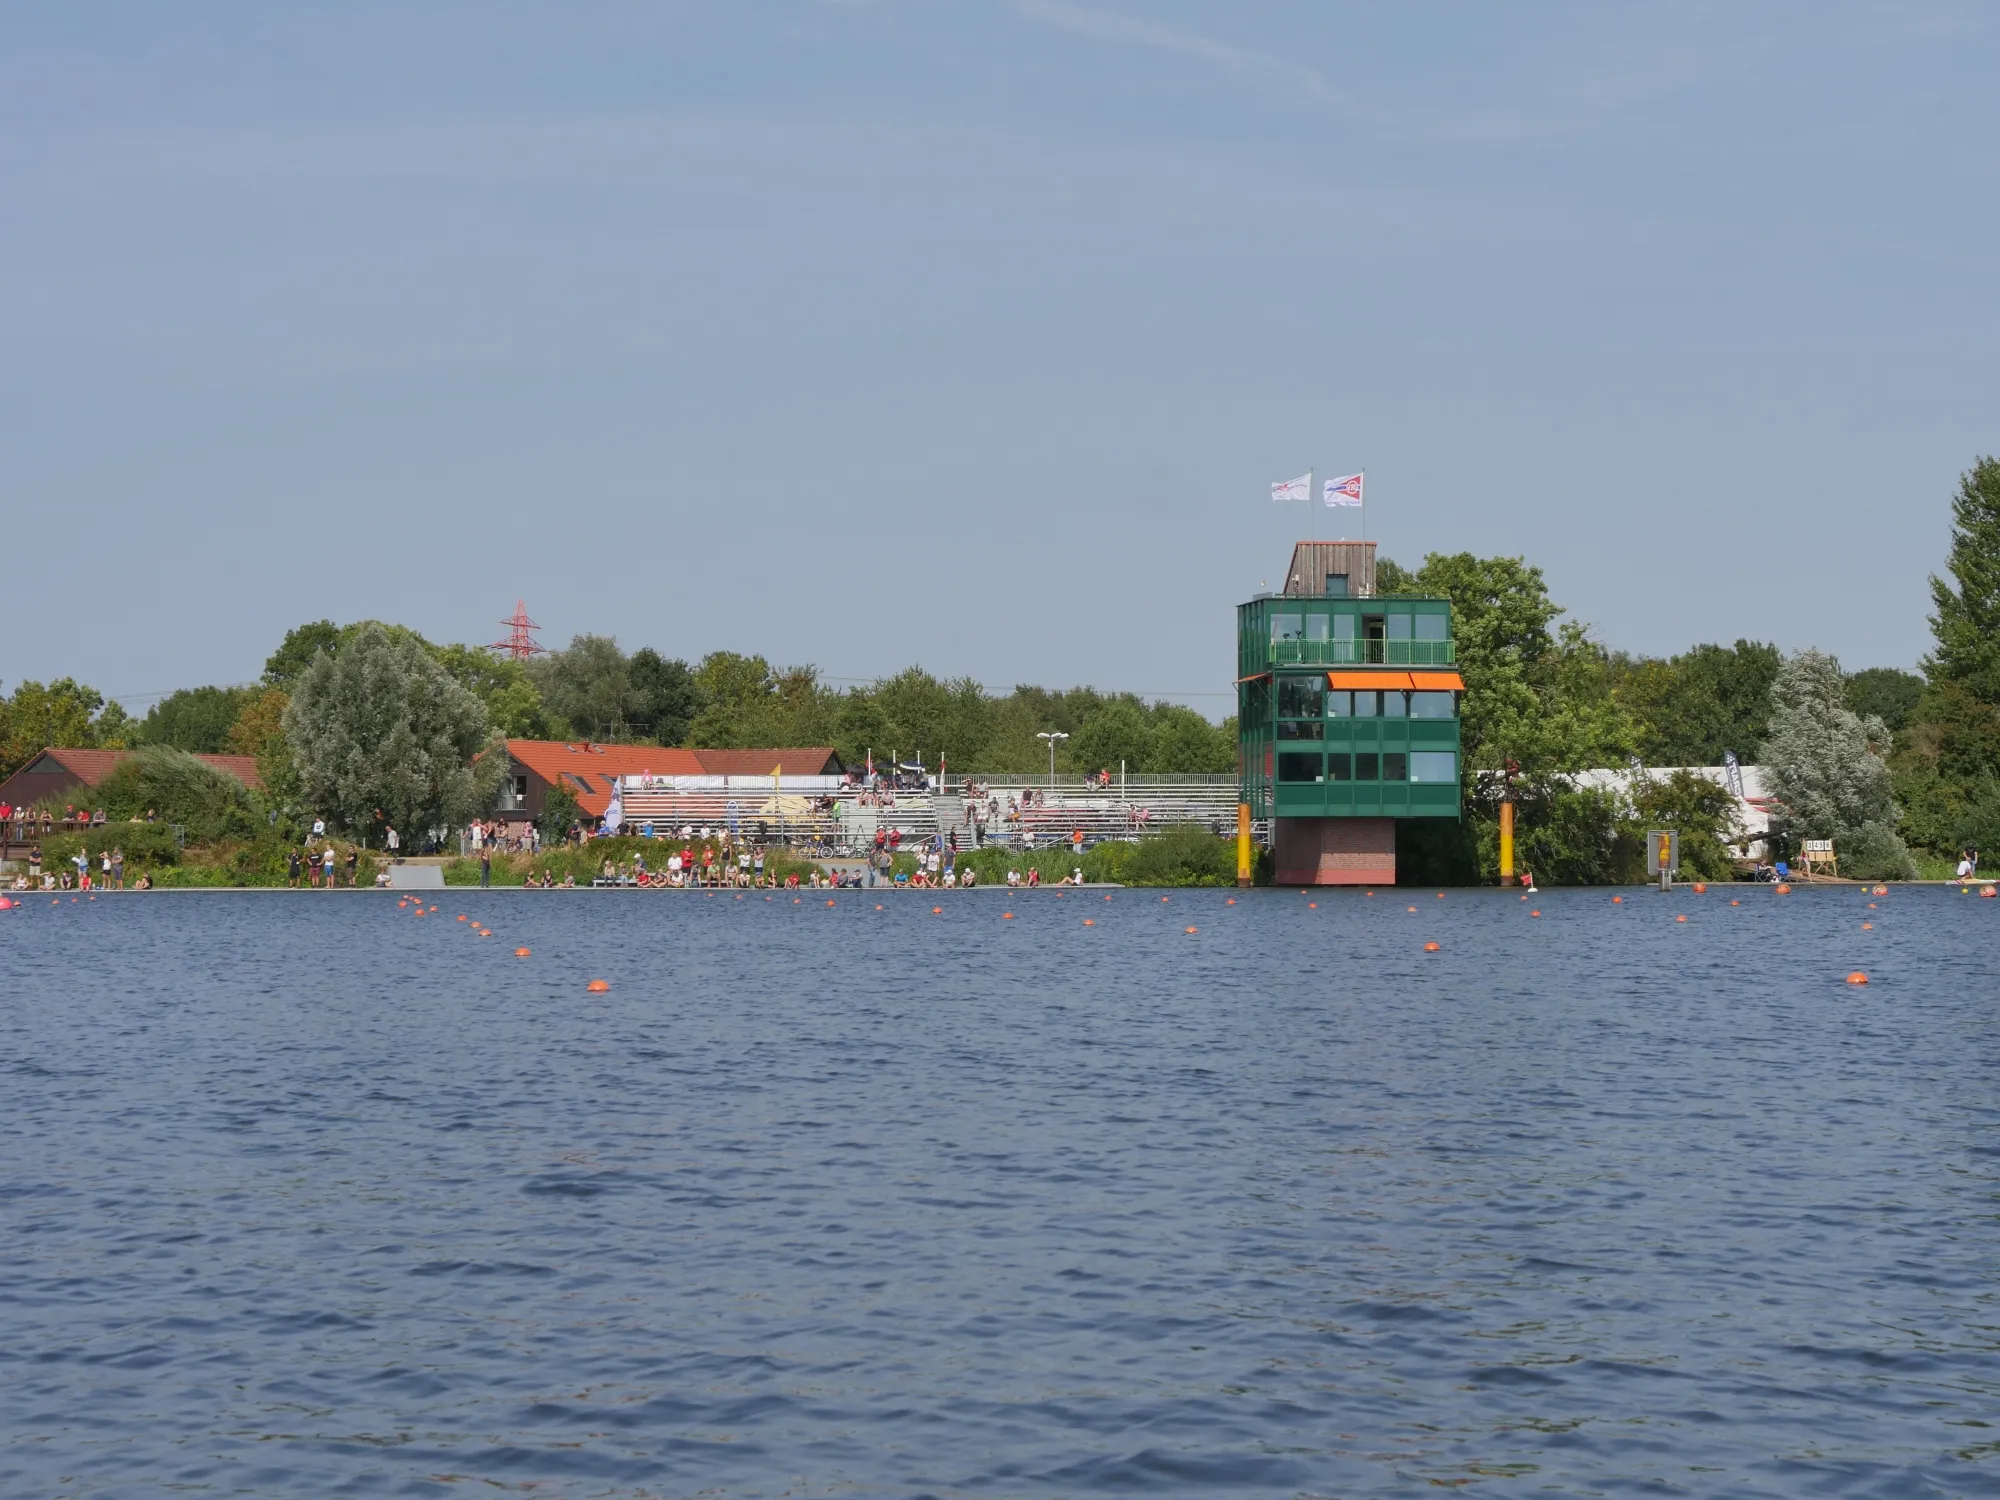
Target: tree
{"x": 587, "y": 685}
{"x": 1690, "y": 708}
{"x": 1184, "y": 743}
{"x": 560, "y": 813}
{"x": 1886, "y": 693}
{"x": 662, "y": 699}
{"x": 380, "y": 732}
{"x": 1536, "y": 692}
{"x": 197, "y": 720}
{"x": 1821, "y": 769}
{"x": 737, "y": 695}
{"x": 513, "y": 702}
{"x": 259, "y": 730}
{"x": 1947, "y": 765}
{"x": 64, "y": 714}
{"x": 1967, "y": 623}
{"x": 295, "y": 653}
{"x": 1117, "y": 734}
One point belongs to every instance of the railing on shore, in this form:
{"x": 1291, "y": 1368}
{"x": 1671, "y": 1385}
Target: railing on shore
{"x": 1351, "y": 652}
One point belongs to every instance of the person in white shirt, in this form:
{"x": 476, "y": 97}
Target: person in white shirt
{"x": 393, "y": 845}
{"x": 319, "y": 829}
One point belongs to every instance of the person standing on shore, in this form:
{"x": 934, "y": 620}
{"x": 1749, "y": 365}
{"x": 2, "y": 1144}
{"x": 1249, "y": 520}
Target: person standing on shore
{"x": 485, "y": 866}
{"x": 292, "y": 869}
{"x": 394, "y": 845}
{"x": 353, "y": 865}
{"x": 117, "y": 869}
{"x": 326, "y": 863}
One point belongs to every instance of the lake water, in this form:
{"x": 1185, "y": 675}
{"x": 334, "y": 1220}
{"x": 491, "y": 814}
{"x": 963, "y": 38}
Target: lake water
{"x": 303, "y": 1195}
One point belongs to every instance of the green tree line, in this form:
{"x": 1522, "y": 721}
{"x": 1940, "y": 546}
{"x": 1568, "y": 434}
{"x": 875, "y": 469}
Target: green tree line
{"x": 371, "y": 723}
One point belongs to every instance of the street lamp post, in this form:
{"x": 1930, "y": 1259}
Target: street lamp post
{"x": 1052, "y": 736}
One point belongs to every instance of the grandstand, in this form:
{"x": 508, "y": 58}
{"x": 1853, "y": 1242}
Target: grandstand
{"x": 829, "y": 815}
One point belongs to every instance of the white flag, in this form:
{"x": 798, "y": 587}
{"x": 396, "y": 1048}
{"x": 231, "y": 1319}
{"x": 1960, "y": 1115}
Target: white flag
{"x": 1293, "y": 489}
{"x": 1346, "y": 490}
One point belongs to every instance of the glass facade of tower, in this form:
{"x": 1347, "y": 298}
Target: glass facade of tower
{"x": 1348, "y": 707}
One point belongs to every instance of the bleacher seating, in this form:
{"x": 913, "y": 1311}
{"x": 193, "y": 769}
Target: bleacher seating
{"x": 1113, "y": 812}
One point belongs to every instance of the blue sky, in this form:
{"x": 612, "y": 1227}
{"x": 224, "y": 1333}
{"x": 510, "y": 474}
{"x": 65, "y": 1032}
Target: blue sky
{"x": 974, "y": 333}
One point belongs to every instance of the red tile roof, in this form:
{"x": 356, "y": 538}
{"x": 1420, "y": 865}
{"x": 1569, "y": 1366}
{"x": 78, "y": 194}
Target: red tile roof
{"x": 593, "y": 765}
{"x": 797, "y": 760}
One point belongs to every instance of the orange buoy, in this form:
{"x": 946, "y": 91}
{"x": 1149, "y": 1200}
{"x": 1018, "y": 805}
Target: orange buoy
{"x": 1615, "y": 900}
{"x": 829, "y": 901}
{"x": 461, "y": 916}
{"x": 1700, "y": 889}
{"x": 1881, "y": 890}
{"x": 1440, "y": 895}
{"x": 598, "y": 986}
{"x": 936, "y": 909}
{"x": 1163, "y": 898}
{"x": 1783, "y": 889}
{"x": 1430, "y": 947}
{"x": 1534, "y": 914}
{"x": 1857, "y": 977}
{"x": 484, "y": 933}
{"x": 1871, "y": 906}
{"x": 520, "y": 953}
{"x": 1412, "y": 908}
{"x": 878, "y": 905}
{"x": 1988, "y": 891}
{"x": 1190, "y": 929}
{"x": 1107, "y": 898}
{"x": 1230, "y": 902}
{"x": 1867, "y": 926}
{"x": 1680, "y": 919}
{"x": 1090, "y": 921}
{"x": 1312, "y": 906}
{"x": 1006, "y": 916}
{"x": 1367, "y": 893}
{"x": 1735, "y": 903}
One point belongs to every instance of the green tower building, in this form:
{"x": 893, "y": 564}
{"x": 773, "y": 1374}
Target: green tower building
{"x": 1347, "y": 714}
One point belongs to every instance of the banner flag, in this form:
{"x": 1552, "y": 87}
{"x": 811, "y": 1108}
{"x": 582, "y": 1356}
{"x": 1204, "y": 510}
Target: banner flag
{"x": 1293, "y": 489}
{"x": 1345, "y": 490}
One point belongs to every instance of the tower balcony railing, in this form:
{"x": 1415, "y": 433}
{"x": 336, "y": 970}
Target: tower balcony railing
{"x": 1352, "y": 652}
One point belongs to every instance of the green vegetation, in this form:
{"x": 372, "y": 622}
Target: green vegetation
{"x": 194, "y": 719}
{"x": 369, "y": 724}
{"x": 382, "y": 735}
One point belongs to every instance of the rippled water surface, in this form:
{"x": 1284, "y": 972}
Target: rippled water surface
{"x": 303, "y": 1195}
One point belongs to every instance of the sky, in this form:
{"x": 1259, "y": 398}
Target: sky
{"x": 972, "y": 333}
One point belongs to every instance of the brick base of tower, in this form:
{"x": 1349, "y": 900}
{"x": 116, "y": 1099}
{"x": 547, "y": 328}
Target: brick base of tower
{"x": 1334, "y": 851}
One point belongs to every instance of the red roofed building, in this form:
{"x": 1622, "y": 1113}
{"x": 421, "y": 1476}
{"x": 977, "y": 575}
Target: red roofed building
{"x": 58, "y": 772}
{"x": 588, "y": 770}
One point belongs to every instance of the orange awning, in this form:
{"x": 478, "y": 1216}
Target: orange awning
{"x": 1253, "y": 677}
{"x": 1374, "y": 678}
{"x": 1437, "y": 682}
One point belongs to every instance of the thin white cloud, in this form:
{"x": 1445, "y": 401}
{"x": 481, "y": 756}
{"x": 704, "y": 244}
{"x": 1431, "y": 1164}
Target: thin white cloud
{"x": 1288, "y": 80}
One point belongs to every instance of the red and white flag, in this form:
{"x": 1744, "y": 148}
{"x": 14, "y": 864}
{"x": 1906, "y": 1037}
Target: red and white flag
{"x": 1346, "y": 490}
{"x": 1294, "y": 489}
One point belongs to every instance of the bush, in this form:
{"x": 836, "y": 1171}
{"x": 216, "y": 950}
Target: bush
{"x": 208, "y": 803}
{"x": 145, "y": 844}
{"x": 1183, "y": 855}
{"x": 1874, "y": 851}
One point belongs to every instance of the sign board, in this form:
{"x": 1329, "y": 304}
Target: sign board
{"x": 1663, "y": 851}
